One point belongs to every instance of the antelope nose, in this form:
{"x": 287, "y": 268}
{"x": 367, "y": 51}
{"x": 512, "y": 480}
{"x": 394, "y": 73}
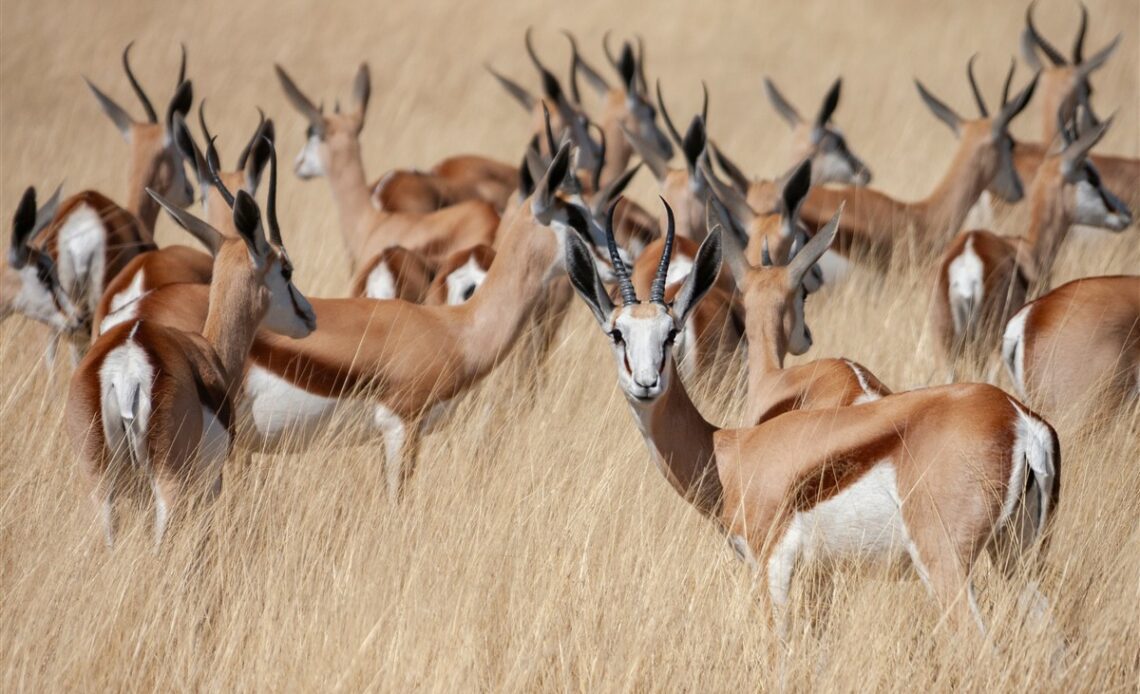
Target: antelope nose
{"x": 646, "y": 380}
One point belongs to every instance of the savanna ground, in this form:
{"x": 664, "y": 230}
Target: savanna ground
{"x": 537, "y": 549}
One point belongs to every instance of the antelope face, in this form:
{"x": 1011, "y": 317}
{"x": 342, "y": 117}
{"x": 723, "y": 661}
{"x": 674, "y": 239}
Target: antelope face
{"x": 1006, "y": 183}
{"x": 1091, "y": 204}
{"x": 33, "y": 289}
{"x": 641, "y": 338}
{"x": 310, "y": 161}
{"x": 641, "y": 119}
{"x": 288, "y": 313}
{"x": 832, "y": 161}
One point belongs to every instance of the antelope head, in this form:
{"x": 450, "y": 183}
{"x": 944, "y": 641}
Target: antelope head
{"x": 1062, "y": 80}
{"x": 30, "y": 285}
{"x": 820, "y": 140}
{"x": 1068, "y": 176}
{"x": 627, "y": 101}
{"x": 155, "y": 160}
{"x": 774, "y": 295}
{"x": 253, "y": 265}
{"x": 986, "y": 139}
{"x": 642, "y": 333}
{"x": 246, "y": 175}
{"x": 330, "y": 139}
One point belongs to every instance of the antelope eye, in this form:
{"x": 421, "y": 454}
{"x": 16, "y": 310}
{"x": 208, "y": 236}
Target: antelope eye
{"x": 616, "y": 336}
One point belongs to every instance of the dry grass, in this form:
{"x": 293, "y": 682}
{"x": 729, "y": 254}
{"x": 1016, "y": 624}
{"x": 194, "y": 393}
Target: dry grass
{"x": 537, "y": 550}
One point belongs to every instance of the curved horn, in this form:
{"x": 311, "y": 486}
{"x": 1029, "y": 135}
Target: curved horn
{"x": 613, "y": 189}
{"x": 1008, "y": 81}
{"x": 974, "y": 87}
{"x": 644, "y": 86}
{"x": 244, "y": 156}
{"x": 578, "y": 63}
{"x": 657, "y": 289}
{"x": 151, "y": 115}
{"x": 705, "y": 104}
{"x": 181, "y": 66}
{"x": 596, "y": 174}
{"x": 673, "y": 132}
{"x": 212, "y": 164}
{"x": 625, "y": 285}
{"x": 550, "y": 85}
{"x": 1050, "y": 52}
{"x": 1079, "y": 44}
{"x": 271, "y": 196}
{"x": 609, "y": 53}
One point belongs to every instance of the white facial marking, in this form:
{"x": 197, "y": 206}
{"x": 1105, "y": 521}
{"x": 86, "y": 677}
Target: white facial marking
{"x": 284, "y": 303}
{"x": 464, "y": 280}
{"x": 309, "y": 164}
{"x": 35, "y": 301}
{"x": 966, "y": 288}
{"x": 641, "y": 354}
{"x": 1092, "y": 211}
{"x": 381, "y": 284}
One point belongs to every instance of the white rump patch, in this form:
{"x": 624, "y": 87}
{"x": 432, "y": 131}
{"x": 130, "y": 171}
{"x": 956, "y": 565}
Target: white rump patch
{"x": 123, "y": 305}
{"x": 966, "y": 274}
{"x": 1013, "y": 348}
{"x": 126, "y": 378}
{"x": 381, "y": 282}
{"x": 82, "y": 242}
{"x": 464, "y": 280}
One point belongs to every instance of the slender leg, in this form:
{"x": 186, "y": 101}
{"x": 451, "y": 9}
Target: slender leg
{"x": 103, "y": 495}
{"x": 401, "y": 445}
{"x": 166, "y": 496}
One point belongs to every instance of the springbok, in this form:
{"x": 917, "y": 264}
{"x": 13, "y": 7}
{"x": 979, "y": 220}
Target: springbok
{"x": 91, "y": 238}
{"x": 177, "y": 263}
{"x": 984, "y": 278}
{"x": 1062, "y": 83}
{"x": 625, "y": 104}
{"x": 394, "y": 363}
{"x": 872, "y": 221}
{"x": 30, "y": 285}
{"x": 397, "y": 273}
{"x": 684, "y": 189}
{"x": 1078, "y": 341}
{"x": 333, "y": 150}
{"x": 773, "y": 298}
{"x": 460, "y": 276}
{"x": 818, "y": 141}
{"x": 156, "y": 401}
{"x": 932, "y": 475}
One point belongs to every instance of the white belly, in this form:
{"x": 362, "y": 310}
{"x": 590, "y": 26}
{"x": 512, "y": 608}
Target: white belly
{"x": 862, "y": 521}
{"x": 275, "y": 414}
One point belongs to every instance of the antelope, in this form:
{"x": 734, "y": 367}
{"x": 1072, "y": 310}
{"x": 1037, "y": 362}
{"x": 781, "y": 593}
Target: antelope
{"x": 983, "y": 161}
{"x": 685, "y": 189}
{"x": 625, "y": 104}
{"x": 156, "y": 401}
{"x": 91, "y": 238}
{"x": 984, "y": 278}
{"x": 31, "y": 286}
{"x": 1082, "y": 339}
{"x": 460, "y": 276}
{"x": 773, "y": 298}
{"x": 1062, "y": 82}
{"x": 931, "y": 475}
{"x": 396, "y": 363}
{"x": 177, "y": 263}
{"x": 333, "y": 150}
{"x": 818, "y": 141}
{"x": 568, "y": 116}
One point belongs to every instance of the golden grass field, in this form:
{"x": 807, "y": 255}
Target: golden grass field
{"x": 537, "y": 549}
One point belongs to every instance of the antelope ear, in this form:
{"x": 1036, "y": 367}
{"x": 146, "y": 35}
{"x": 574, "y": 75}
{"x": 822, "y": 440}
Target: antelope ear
{"x": 694, "y": 143}
{"x": 184, "y": 140}
{"x": 210, "y": 237}
{"x": 180, "y": 104}
{"x": 362, "y": 89}
{"x": 1015, "y": 106}
{"x": 732, "y": 236}
{"x": 701, "y": 278}
{"x": 519, "y": 93}
{"x": 941, "y": 111}
{"x": 830, "y": 102}
{"x": 247, "y": 221}
{"x": 23, "y": 224}
{"x": 1074, "y": 154}
{"x": 782, "y": 106}
{"x": 543, "y": 201}
{"x": 299, "y": 101}
{"x": 647, "y": 152}
{"x": 810, "y": 254}
{"x": 115, "y": 112}
{"x": 584, "y": 278}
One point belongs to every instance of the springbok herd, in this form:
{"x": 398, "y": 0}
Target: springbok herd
{"x": 182, "y": 358}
